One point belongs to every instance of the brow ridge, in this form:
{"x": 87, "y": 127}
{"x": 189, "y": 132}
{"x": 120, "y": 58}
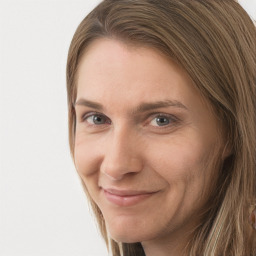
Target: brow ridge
{"x": 143, "y": 107}
{"x": 88, "y": 103}
{"x": 147, "y": 106}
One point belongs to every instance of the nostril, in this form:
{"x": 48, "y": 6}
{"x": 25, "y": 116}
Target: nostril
{"x": 121, "y": 157}
{"x": 117, "y": 169}
{"x": 136, "y": 164}
{"x": 113, "y": 177}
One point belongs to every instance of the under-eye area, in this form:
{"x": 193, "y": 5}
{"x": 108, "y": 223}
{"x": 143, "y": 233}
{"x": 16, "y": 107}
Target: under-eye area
{"x": 163, "y": 148}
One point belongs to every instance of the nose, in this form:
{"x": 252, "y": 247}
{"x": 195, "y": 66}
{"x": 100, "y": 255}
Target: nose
{"x": 122, "y": 155}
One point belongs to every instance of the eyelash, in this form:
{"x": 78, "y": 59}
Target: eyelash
{"x": 91, "y": 114}
{"x": 173, "y": 120}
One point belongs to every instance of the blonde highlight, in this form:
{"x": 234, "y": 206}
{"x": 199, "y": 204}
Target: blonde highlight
{"x": 215, "y": 43}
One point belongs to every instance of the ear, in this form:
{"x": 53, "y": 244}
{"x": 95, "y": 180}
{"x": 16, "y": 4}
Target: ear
{"x": 227, "y": 151}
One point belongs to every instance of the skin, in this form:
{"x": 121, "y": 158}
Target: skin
{"x": 125, "y": 144}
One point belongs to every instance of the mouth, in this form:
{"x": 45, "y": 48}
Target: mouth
{"x": 126, "y": 198}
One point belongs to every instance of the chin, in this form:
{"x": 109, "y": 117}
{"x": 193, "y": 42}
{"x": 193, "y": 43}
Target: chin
{"x": 124, "y": 239}
{"x": 129, "y": 234}
{"x": 124, "y": 235}
{"x": 127, "y": 238}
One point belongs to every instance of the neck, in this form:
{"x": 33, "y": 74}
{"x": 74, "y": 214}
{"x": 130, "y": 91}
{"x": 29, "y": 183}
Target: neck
{"x": 163, "y": 249}
{"x": 171, "y": 245}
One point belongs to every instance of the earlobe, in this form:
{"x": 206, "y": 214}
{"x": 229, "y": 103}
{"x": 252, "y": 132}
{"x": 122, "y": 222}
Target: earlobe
{"x": 227, "y": 151}
{"x": 252, "y": 217}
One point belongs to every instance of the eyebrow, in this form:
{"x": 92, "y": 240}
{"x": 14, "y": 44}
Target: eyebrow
{"x": 143, "y": 107}
{"x": 88, "y": 103}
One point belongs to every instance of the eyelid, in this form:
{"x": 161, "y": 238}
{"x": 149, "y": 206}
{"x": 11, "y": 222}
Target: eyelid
{"x": 161, "y": 114}
{"x": 91, "y": 113}
{"x": 174, "y": 120}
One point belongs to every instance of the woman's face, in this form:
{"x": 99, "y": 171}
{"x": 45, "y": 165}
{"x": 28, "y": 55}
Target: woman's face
{"x": 146, "y": 143}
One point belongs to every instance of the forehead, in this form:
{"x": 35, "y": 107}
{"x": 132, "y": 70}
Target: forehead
{"x": 112, "y": 65}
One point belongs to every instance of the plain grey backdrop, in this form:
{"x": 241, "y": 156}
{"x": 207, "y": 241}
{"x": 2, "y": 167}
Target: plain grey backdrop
{"x": 43, "y": 209}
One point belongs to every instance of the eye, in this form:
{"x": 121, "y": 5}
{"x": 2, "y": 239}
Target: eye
{"x": 96, "y": 119}
{"x": 162, "y": 120}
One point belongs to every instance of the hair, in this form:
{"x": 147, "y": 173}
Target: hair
{"x": 214, "y": 41}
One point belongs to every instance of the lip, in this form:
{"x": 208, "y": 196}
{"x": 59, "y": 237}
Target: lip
{"x": 126, "y": 198}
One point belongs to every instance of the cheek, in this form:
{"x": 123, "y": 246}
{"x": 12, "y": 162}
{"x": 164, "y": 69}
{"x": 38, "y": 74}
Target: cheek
{"x": 87, "y": 161}
{"x": 86, "y": 155}
{"x": 178, "y": 156}
{"x": 184, "y": 164}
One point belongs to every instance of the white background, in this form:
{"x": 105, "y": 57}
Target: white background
{"x": 43, "y": 210}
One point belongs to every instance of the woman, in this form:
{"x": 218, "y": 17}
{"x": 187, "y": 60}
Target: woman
{"x": 161, "y": 98}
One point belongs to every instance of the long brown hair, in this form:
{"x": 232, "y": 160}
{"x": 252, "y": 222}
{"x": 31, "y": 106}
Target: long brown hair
{"x": 215, "y": 42}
